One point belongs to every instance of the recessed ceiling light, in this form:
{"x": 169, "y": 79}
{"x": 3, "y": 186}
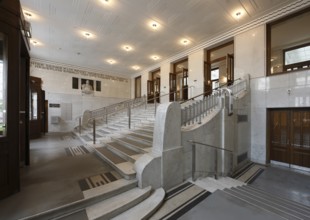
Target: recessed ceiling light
{"x": 28, "y": 14}
{"x": 111, "y": 61}
{"x": 135, "y": 67}
{"x": 127, "y": 47}
{"x": 238, "y": 14}
{"x": 35, "y": 42}
{"x": 155, "y": 57}
{"x": 105, "y": 1}
{"x": 154, "y": 25}
{"x": 87, "y": 34}
{"x": 185, "y": 41}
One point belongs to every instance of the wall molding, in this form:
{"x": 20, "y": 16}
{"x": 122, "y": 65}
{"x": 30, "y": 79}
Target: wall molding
{"x": 221, "y": 37}
{"x": 76, "y": 70}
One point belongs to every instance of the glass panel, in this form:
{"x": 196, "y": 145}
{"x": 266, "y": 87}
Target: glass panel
{"x": 3, "y": 85}
{"x": 34, "y": 98}
{"x": 290, "y": 33}
{"x": 297, "y": 56}
{"x": 215, "y": 74}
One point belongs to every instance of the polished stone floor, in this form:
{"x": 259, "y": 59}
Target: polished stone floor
{"x": 52, "y": 179}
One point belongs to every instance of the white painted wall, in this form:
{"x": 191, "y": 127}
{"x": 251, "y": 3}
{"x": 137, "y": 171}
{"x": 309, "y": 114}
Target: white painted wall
{"x": 195, "y": 74}
{"x": 58, "y": 89}
{"x": 249, "y": 51}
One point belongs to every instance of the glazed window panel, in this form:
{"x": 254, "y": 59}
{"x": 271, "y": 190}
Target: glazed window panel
{"x": 289, "y": 43}
{"x": 3, "y": 85}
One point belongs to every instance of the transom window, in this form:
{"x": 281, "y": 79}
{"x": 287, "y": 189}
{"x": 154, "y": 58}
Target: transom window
{"x": 288, "y": 43}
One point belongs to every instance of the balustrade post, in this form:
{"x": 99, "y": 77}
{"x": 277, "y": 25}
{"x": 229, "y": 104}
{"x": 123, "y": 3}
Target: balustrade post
{"x": 94, "y": 131}
{"x": 193, "y": 161}
{"x": 185, "y": 115}
{"x": 200, "y": 111}
{"x": 175, "y": 96}
{"x": 80, "y": 125}
{"x": 155, "y": 106}
{"x": 129, "y": 117}
{"x": 215, "y": 164}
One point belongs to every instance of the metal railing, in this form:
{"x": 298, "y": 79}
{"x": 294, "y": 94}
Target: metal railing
{"x": 196, "y": 111}
{"x": 216, "y": 157}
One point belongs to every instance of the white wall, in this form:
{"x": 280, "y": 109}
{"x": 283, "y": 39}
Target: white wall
{"x": 195, "y": 73}
{"x": 57, "y": 84}
{"x": 249, "y": 51}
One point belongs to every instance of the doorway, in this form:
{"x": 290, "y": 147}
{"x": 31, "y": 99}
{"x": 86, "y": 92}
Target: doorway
{"x": 138, "y": 87}
{"x": 178, "y": 81}
{"x": 153, "y": 87}
{"x": 219, "y": 67}
{"x": 289, "y": 131}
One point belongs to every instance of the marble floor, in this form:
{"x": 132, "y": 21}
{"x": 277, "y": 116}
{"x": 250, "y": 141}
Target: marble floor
{"x": 58, "y": 163}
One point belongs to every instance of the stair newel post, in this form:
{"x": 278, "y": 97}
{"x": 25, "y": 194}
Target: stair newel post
{"x": 215, "y": 163}
{"x": 155, "y": 105}
{"x": 129, "y": 117}
{"x": 80, "y": 124}
{"x": 94, "y": 131}
{"x": 193, "y": 161}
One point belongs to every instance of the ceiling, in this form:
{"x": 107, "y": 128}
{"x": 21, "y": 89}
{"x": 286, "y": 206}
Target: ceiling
{"x": 58, "y": 26}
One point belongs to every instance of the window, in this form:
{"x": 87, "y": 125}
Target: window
{"x": 3, "y": 85}
{"x": 288, "y": 43}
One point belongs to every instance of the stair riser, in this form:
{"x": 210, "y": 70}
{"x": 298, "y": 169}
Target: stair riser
{"x": 77, "y": 206}
{"x": 127, "y": 177}
{"x": 121, "y": 154}
{"x": 262, "y": 205}
{"x": 130, "y": 146}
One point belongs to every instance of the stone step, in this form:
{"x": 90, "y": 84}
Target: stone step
{"x": 122, "y": 166}
{"x": 278, "y": 199}
{"x": 261, "y": 204}
{"x": 91, "y": 197}
{"x": 144, "y": 209}
{"x": 142, "y": 133}
{"x": 140, "y": 138}
{"x": 124, "y": 152}
{"x": 114, "y": 206}
{"x": 139, "y": 146}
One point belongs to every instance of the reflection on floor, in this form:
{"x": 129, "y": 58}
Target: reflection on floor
{"x": 53, "y": 178}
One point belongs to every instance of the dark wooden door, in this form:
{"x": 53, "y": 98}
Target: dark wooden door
{"x": 157, "y": 89}
{"x": 150, "y": 91}
{"x": 207, "y": 79}
{"x": 290, "y": 136}
{"x": 172, "y": 86}
{"x": 9, "y": 109}
{"x": 230, "y": 69}
{"x": 185, "y": 85}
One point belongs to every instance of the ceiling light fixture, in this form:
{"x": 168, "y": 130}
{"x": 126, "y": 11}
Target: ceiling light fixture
{"x": 28, "y": 15}
{"x": 185, "y": 41}
{"x": 111, "y": 61}
{"x": 87, "y": 35}
{"x": 155, "y": 57}
{"x": 127, "y": 47}
{"x": 136, "y": 67}
{"x": 105, "y": 1}
{"x": 154, "y": 25}
{"x": 35, "y": 42}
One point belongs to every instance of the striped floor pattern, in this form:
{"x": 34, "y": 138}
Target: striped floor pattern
{"x": 98, "y": 180}
{"x": 180, "y": 200}
{"x": 76, "y": 150}
{"x": 249, "y": 173}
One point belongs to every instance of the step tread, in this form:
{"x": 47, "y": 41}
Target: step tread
{"x": 108, "y": 188}
{"x": 110, "y": 155}
{"x": 270, "y": 200}
{"x": 261, "y": 204}
{"x": 148, "y": 139}
{"x": 135, "y": 143}
{"x": 110, "y": 208}
{"x": 144, "y": 209}
{"x": 122, "y": 148}
{"x": 277, "y": 197}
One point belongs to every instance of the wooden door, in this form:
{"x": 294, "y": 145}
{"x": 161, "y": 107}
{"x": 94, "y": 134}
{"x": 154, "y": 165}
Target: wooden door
{"x": 207, "y": 79}
{"x": 290, "y": 136}
{"x": 150, "y": 91}
{"x": 9, "y": 108}
{"x": 157, "y": 89}
{"x": 230, "y": 69}
{"x": 138, "y": 87}
{"x": 185, "y": 85}
{"x": 172, "y": 86}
